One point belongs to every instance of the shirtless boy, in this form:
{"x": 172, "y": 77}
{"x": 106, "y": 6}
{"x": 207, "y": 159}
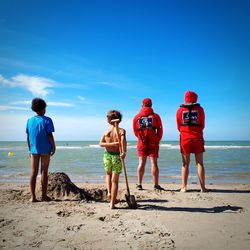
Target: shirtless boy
{"x": 112, "y": 156}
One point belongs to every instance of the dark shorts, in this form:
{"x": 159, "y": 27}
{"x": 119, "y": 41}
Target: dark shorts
{"x": 192, "y": 145}
{"x": 149, "y": 152}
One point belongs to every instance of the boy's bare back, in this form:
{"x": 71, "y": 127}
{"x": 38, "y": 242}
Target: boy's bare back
{"x": 110, "y": 136}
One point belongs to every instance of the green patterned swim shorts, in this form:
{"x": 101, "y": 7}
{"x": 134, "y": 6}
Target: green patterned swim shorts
{"x": 112, "y": 162}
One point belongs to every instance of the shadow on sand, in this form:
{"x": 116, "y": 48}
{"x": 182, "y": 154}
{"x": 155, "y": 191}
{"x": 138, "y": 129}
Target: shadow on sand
{"x": 210, "y": 190}
{"x": 214, "y": 210}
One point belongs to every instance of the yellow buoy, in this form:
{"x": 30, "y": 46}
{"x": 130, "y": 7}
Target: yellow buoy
{"x": 11, "y": 154}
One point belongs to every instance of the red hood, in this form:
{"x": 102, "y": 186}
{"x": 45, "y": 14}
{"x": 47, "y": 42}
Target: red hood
{"x": 145, "y": 111}
{"x": 190, "y": 97}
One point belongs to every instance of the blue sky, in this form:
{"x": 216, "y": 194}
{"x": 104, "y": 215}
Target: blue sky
{"x": 87, "y": 57}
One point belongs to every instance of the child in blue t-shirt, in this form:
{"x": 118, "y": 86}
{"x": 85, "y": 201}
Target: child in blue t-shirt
{"x": 41, "y": 146}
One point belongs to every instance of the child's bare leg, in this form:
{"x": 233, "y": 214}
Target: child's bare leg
{"x": 200, "y": 170}
{"x": 109, "y": 183}
{"x": 185, "y": 171}
{"x": 34, "y": 171}
{"x": 114, "y": 190}
{"x": 45, "y": 159}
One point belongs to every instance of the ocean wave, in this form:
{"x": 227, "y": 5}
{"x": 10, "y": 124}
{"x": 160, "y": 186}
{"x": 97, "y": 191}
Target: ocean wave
{"x": 92, "y": 146}
{"x": 16, "y": 148}
{"x": 68, "y": 147}
{"x": 129, "y": 146}
{"x": 78, "y": 147}
{"x": 167, "y": 146}
{"x": 97, "y": 146}
{"x": 227, "y": 147}
{"x": 5, "y": 149}
{"x": 170, "y": 146}
{"x": 15, "y": 175}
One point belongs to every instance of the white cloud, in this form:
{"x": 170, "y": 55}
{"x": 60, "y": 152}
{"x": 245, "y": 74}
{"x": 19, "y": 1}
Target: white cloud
{"x": 38, "y": 86}
{"x": 8, "y": 107}
{"x": 21, "y": 103}
{"x": 8, "y": 62}
{"x": 54, "y": 104}
{"x": 110, "y": 84}
{"x": 60, "y": 104}
{"x": 81, "y": 98}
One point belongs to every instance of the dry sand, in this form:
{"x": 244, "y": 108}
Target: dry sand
{"x": 219, "y": 219}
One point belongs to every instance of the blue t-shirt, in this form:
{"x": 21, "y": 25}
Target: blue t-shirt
{"x": 38, "y": 128}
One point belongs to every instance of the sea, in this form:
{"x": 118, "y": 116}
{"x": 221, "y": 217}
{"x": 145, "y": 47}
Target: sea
{"x": 224, "y": 161}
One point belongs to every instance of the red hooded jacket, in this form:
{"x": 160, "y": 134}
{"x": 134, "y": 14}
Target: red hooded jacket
{"x": 147, "y": 128}
{"x": 190, "y": 117}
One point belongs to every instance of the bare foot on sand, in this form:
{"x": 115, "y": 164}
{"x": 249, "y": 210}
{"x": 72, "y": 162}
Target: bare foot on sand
{"x": 113, "y": 207}
{"x": 33, "y": 200}
{"x": 204, "y": 190}
{"x": 183, "y": 190}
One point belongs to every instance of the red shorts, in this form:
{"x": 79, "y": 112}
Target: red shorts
{"x": 192, "y": 145}
{"x": 149, "y": 152}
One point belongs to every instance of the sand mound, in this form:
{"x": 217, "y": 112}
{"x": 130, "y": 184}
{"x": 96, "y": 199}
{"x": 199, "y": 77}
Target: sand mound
{"x": 60, "y": 187}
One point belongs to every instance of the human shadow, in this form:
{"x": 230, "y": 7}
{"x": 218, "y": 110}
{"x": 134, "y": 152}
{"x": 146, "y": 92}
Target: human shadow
{"x": 150, "y": 189}
{"x": 214, "y": 210}
{"x": 211, "y": 190}
{"x": 229, "y": 191}
{"x": 153, "y": 200}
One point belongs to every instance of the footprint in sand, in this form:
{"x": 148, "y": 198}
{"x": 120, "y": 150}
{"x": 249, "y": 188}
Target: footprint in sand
{"x": 5, "y": 222}
{"x": 109, "y": 218}
{"x": 63, "y": 213}
{"x": 35, "y": 243}
{"x": 75, "y": 228}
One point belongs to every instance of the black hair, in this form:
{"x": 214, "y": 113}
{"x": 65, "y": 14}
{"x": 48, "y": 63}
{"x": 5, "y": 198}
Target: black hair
{"x": 38, "y": 104}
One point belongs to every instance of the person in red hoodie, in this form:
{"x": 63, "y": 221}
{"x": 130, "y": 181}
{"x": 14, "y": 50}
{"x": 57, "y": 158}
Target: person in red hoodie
{"x": 190, "y": 119}
{"x": 147, "y": 128}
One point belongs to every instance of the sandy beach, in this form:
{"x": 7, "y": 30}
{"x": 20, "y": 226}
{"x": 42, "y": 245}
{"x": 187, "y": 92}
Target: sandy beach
{"x": 169, "y": 219}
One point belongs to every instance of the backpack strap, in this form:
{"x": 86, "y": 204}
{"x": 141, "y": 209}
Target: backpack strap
{"x": 190, "y": 107}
